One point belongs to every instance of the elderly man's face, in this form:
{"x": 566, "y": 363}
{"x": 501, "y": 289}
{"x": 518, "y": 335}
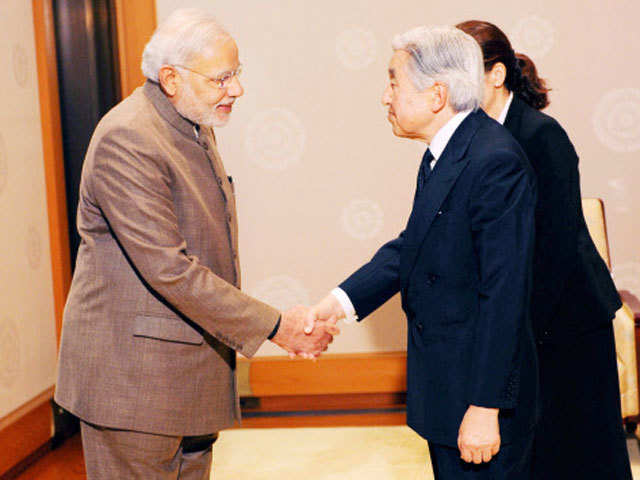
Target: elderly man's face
{"x": 200, "y": 98}
{"x": 408, "y": 108}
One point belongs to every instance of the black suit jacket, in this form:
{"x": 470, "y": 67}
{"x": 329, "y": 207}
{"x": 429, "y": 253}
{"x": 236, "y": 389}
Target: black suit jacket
{"x": 572, "y": 288}
{"x": 463, "y": 265}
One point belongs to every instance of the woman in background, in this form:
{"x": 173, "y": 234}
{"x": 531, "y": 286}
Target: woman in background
{"x": 573, "y": 301}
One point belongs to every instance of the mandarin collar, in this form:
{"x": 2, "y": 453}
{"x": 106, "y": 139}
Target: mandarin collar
{"x": 166, "y": 109}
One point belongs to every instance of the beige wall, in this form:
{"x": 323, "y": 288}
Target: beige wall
{"x": 27, "y": 336}
{"x": 322, "y": 182}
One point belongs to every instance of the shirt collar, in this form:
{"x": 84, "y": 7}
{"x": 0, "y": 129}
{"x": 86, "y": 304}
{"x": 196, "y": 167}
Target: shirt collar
{"x": 442, "y": 137}
{"x": 505, "y": 110}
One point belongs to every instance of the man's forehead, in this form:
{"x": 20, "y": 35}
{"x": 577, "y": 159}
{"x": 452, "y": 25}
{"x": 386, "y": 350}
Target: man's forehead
{"x": 221, "y": 55}
{"x": 397, "y": 62}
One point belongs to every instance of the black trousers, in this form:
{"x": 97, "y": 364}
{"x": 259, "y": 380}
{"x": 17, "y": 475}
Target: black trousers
{"x": 513, "y": 462}
{"x": 580, "y": 433}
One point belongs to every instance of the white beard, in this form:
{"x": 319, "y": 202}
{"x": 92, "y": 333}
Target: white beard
{"x": 195, "y": 110}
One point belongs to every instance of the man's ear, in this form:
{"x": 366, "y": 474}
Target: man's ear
{"x": 169, "y": 80}
{"x": 497, "y": 74}
{"x": 439, "y": 97}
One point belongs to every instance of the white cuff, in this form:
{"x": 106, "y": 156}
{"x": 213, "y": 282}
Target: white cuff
{"x": 347, "y": 306}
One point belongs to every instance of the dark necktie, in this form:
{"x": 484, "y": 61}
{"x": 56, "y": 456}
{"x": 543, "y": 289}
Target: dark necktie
{"x": 425, "y": 170}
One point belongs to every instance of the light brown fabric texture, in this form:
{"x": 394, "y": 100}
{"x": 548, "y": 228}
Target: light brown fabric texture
{"x": 155, "y": 311}
{"x": 122, "y": 454}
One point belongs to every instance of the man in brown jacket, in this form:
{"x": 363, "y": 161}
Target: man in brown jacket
{"x": 155, "y": 314}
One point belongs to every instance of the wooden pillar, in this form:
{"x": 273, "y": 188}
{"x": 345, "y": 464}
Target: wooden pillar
{"x": 53, "y": 154}
{"x": 136, "y": 21}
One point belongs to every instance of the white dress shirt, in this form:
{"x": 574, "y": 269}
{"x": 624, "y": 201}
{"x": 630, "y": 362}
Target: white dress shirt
{"x": 437, "y": 146}
{"x": 505, "y": 110}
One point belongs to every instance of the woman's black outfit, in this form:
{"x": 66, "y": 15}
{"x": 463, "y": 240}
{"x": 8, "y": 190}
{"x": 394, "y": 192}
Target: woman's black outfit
{"x": 580, "y": 433}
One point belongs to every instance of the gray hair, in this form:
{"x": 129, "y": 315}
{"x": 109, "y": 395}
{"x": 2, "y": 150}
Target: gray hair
{"x": 179, "y": 38}
{"x": 445, "y": 55}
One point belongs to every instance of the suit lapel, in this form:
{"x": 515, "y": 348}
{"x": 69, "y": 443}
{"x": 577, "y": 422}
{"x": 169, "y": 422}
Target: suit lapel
{"x": 514, "y": 115}
{"x": 427, "y": 205}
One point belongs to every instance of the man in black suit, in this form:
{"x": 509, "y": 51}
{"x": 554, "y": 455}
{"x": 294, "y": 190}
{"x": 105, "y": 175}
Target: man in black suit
{"x": 462, "y": 265}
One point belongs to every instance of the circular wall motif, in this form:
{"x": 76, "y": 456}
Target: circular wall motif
{"x": 9, "y": 353}
{"x": 356, "y": 48}
{"x": 33, "y": 245}
{"x": 616, "y": 120}
{"x": 620, "y": 195}
{"x": 533, "y": 36}
{"x": 281, "y": 292}
{"x": 362, "y": 219}
{"x": 4, "y": 169}
{"x": 275, "y": 139}
{"x": 20, "y": 65}
{"x": 627, "y": 277}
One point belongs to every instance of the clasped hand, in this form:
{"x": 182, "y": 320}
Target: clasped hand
{"x": 307, "y": 332}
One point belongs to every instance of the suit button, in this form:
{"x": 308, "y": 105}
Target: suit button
{"x": 431, "y": 279}
{"x": 419, "y": 326}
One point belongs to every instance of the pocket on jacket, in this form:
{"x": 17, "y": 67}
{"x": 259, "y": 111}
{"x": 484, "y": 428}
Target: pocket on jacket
{"x": 167, "y": 329}
{"x": 460, "y": 310}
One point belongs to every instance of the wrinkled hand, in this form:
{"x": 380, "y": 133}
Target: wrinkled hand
{"x": 292, "y": 337}
{"x": 479, "y": 434}
{"x": 328, "y": 311}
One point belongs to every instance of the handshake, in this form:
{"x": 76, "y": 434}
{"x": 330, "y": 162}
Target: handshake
{"x": 308, "y": 331}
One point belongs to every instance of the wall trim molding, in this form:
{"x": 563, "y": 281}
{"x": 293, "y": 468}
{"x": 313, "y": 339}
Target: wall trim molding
{"x": 25, "y": 431}
{"x": 48, "y": 92}
{"x": 23, "y": 410}
{"x": 349, "y": 373}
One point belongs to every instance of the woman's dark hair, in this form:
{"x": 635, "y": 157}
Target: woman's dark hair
{"x": 522, "y": 75}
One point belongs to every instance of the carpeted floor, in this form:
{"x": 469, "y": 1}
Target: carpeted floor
{"x": 354, "y": 453}
{"x": 371, "y": 453}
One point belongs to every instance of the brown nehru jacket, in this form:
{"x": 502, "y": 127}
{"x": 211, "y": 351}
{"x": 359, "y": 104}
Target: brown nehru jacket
{"x": 155, "y": 314}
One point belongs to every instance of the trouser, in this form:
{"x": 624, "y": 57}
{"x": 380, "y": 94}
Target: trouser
{"x": 111, "y": 454}
{"x": 512, "y": 462}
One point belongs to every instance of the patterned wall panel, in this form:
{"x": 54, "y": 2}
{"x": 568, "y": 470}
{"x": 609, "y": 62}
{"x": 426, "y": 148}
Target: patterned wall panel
{"x": 321, "y": 180}
{"x": 27, "y": 335}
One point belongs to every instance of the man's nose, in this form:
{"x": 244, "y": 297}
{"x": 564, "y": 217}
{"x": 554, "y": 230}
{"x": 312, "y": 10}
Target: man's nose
{"x": 235, "y": 88}
{"x": 386, "y": 95}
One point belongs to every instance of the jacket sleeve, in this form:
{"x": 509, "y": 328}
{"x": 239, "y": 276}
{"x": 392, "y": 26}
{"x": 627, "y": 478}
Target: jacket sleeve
{"x": 502, "y": 220}
{"x": 558, "y": 214}
{"x": 132, "y": 190}
{"x": 376, "y": 281}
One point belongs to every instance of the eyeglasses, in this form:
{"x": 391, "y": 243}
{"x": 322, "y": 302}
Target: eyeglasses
{"x": 221, "y": 81}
